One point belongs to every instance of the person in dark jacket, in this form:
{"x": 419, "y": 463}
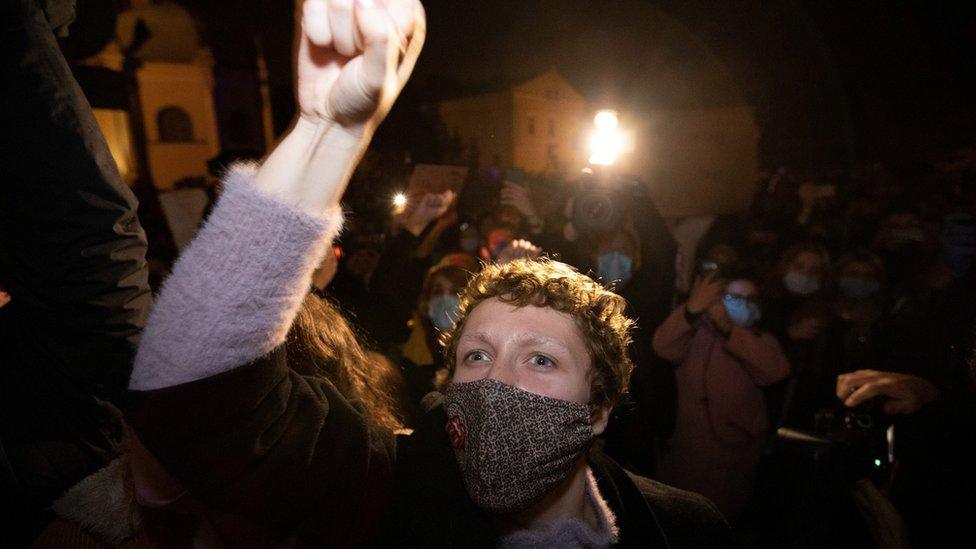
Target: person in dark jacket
{"x": 72, "y": 258}
{"x": 290, "y": 457}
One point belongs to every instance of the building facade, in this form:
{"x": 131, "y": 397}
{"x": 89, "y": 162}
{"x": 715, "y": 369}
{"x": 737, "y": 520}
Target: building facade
{"x": 537, "y": 125}
{"x": 175, "y": 83}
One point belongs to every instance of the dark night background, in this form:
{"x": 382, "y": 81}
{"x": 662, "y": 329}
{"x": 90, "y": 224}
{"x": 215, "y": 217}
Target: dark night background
{"x": 830, "y": 82}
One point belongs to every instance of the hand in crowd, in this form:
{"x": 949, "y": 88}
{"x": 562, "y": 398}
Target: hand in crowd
{"x": 519, "y": 249}
{"x": 906, "y": 393}
{"x": 805, "y": 329}
{"x": 705, "y": 292}
{"x": 720, "y": 319}
{"x": 353, "y": 58}
{"x": 518, "y": 197}
{"x": 430, "y": 207}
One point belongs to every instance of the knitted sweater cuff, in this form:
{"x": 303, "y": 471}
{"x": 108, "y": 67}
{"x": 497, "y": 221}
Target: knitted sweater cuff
{"x": 236, "y": 289}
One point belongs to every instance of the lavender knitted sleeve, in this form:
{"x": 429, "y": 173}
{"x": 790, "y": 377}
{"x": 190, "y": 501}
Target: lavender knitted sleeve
{"x": 236, "y": 288}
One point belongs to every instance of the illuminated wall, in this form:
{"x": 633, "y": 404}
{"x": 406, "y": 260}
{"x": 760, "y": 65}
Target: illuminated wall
{"x": 535, "y": 125}
{"x": 115, "y": 127}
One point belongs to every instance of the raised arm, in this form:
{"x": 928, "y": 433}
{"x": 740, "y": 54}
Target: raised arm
{"x": 673, "y": 336}
{"x": 236, "y": 290}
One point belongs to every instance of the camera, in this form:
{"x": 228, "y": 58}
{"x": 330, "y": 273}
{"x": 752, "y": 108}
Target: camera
{"x": 603, "y": 201}
{"x": 850, "y": 443}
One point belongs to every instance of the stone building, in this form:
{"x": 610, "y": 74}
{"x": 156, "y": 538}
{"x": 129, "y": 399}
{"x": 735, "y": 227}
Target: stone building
{"x": 536, "y": 125}
{"x": 175, "y": 82}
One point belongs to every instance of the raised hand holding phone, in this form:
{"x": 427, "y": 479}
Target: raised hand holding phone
{"x": 705, "y": 292}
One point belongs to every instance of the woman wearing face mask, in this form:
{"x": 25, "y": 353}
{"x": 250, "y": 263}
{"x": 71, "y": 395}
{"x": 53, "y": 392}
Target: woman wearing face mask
{"x": 723, "y": 361}
{"x": 275, "y": 456}
{"x": 422, "y": 361}
{"x": 796, "y": 309}
{"x": 856, "y": 309}
{"x": 847, "y": 341}
{"x": 798, "y": 313}
{"x": 637, "y": 261}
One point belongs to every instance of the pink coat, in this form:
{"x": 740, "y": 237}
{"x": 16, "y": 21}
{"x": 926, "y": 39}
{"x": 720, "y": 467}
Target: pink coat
{"x": 721, "y": 423}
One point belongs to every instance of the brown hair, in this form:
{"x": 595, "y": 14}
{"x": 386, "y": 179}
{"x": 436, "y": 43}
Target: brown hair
{"x": 321, "y": 343}
{"x": 598, "y": 313}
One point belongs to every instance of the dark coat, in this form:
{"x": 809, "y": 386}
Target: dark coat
{"x": 72, "y": 256}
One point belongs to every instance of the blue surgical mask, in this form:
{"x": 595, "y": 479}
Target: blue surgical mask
{"x": 741, "y": 311}
{"x": 443, "y": 311}
{"x": 800, "y": 284}
{"x": 614, "y": 267}
{"x": 858, "y": 287}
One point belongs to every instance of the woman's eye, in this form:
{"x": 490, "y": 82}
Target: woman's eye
{"x": 542, "y": 361}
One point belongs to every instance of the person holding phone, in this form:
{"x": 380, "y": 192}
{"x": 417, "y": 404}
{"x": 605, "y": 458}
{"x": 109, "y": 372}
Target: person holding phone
{"x": 723, "y": 362}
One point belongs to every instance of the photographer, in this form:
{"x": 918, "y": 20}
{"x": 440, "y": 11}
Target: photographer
{"x": 613, "y": 229}
{"x": 933, "y": 483}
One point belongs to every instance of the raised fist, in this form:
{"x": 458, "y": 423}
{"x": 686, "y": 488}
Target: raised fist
{"x": 354, "y": 56}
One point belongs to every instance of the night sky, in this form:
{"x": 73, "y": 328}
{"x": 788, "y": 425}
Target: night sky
{"x": 830, "y": 82}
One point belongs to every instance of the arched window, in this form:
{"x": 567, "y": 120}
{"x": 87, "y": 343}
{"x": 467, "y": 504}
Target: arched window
{"x": 175, "y": 125}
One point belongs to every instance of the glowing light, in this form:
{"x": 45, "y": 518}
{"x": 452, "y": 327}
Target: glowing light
{"x": 877, "y": 463}
{"x": 605, "y": 120}
{"x": 607, "y": 142}
{"x": 399, "y": 203}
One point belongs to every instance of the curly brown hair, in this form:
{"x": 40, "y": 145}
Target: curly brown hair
{"x": 598, "y": 313}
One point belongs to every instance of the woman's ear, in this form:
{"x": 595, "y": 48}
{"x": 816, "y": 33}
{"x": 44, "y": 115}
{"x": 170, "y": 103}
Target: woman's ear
{"x": 599, "y": 419}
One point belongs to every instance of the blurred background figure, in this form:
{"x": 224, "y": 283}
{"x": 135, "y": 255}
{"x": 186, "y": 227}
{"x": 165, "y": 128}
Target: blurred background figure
{"x": 422, "y": 361}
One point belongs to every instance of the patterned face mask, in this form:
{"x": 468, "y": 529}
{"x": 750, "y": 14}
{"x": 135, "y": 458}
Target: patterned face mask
{"x": 513, "y": 446}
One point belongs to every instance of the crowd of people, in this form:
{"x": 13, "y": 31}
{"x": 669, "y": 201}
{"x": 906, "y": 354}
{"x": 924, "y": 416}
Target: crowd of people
{"x": 493, "y": 365}
{"x": 835, "y": 291}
